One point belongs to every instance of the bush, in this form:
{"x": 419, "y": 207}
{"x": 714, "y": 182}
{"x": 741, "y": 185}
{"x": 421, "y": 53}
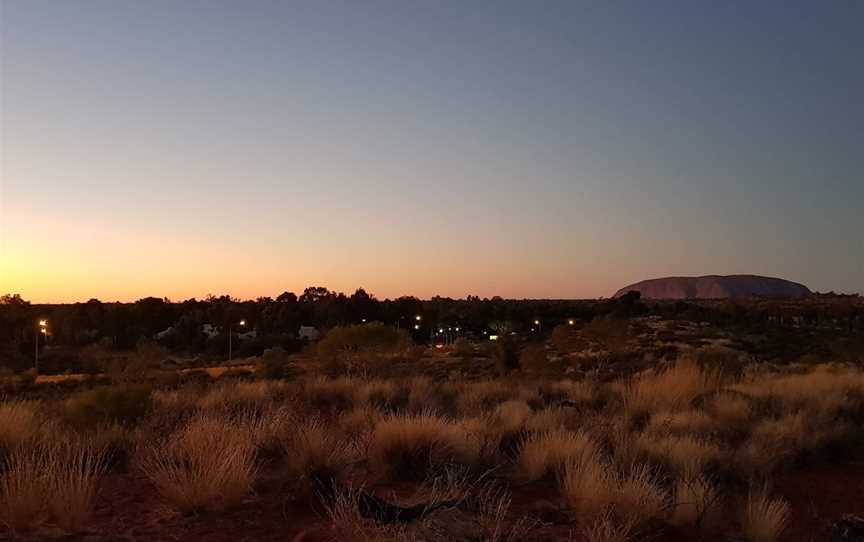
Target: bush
{"x": 506, "y": 354}
{"x": 274, "y": 363}
{"x": 361, "y": 345}
{"x": 106, "y": 405}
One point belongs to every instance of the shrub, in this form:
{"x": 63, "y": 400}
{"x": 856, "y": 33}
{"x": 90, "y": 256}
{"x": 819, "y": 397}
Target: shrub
{"x": 273, "y": 363}
{"x": 106, "y": 405}
{"x": 209, "y": 464}
{"x": 506, "y": 355}
{"x": 353, "y": 347}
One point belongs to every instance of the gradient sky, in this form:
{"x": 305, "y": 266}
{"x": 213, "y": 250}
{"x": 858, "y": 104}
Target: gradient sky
{"x": 524, "y": 149}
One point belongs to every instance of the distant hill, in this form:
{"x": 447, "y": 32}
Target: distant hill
{"x": 716, "y": 287}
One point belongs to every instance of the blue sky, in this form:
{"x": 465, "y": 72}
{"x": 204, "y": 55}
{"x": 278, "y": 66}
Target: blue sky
{"x": 513, "y": 148}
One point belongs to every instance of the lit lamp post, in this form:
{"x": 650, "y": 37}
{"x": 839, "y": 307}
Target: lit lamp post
{"x": 539, "y": 326}
{"x": 41, "y": 330}
{"x": 241, "y": 323}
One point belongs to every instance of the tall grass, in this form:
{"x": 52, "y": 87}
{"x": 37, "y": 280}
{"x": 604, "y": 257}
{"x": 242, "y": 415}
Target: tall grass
{"x": 208, "y": 464}
{"x": 409, "y": 445}
{"x": 19, "y": 423}
{"x": 546, "y": 454}
{"x": 763, "y": 518}
{"x": 53, "y": 479}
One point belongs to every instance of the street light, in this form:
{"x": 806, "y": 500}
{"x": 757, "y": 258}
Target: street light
{"x": 42, "y": 329}
{"x": 241, "y": 323}
{"x": 418, "y": 317}
{"x": 570, "y": 322}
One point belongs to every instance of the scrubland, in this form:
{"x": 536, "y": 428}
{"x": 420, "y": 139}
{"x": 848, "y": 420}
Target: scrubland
{"x": 680, "y": 450}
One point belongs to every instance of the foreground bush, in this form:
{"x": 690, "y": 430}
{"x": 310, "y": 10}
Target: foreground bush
{"x": 208, "y": 464}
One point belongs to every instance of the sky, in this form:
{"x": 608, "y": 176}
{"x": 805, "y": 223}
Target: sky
{"x": 522, "y": 149}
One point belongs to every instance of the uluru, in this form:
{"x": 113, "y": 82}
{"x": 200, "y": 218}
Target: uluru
{"x": 716, "y": 287}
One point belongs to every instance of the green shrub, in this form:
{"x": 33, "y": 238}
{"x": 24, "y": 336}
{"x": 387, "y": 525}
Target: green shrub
{"x": 106, "y": 405}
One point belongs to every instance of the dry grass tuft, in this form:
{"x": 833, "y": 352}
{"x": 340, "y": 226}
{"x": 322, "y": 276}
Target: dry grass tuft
{"x": 763, "y": 518}
{"x": 56, "y": 479}
{"x": 639, "y": 495}
{"x": 546, "y": 454}
{"x": 672, "y": 389}
{"x": 681, "y": 454}
{"x": 316, "y": 450}
{"x": 19, "y": 423}
{"x": 697, "y": 501}
{"x": 73, "y": 482}
{"x": 409, "y": 445}
{"x": 23, "y": 488}
{"x": 510, "y": 416}
{"x": 208, "y": 464}
{"x": 606, "y": 528}
{"x": 593, "y": 489}
{"x": 493, "y": 507}
{"x": 681, "y": 422}
{"x": 350, "y": 526}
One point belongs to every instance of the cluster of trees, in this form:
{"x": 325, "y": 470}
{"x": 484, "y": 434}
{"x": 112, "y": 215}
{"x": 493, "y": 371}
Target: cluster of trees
{"x": 121, "y": 326}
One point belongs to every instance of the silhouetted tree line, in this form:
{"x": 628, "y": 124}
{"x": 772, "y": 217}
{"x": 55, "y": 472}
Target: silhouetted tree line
{"x": 276, "y": 322}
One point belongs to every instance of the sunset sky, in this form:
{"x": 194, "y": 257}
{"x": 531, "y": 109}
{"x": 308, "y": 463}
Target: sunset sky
{"x": 521, "y": 149}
